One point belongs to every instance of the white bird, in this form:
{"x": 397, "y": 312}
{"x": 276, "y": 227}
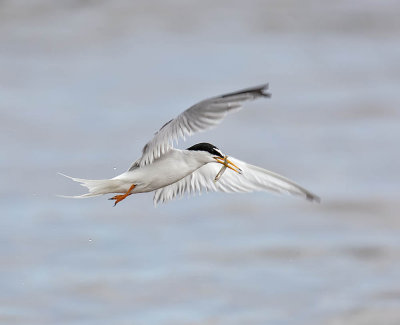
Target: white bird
{"x": 172, "y": 172}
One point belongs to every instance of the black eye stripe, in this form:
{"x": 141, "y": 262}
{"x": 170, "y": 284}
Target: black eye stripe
{"x": 218, "y": 153}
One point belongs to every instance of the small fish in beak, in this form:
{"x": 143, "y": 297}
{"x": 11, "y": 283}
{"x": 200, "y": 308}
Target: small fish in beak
{"x": 222, "y": 170}
{"x": 226, "y": 164}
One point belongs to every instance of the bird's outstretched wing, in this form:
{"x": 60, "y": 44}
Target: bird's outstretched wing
{"x": 199, "y": 117}
{"x": 252, "y": 179}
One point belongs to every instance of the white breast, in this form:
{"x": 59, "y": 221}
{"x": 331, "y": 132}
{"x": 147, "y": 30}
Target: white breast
{"x": 168, "y": 169}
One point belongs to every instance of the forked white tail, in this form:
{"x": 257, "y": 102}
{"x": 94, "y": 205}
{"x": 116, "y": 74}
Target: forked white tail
{"x": 95, "y": 187}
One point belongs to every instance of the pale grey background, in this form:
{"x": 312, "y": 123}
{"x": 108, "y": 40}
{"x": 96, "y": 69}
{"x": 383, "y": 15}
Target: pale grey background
{"x": 83, "y": 85}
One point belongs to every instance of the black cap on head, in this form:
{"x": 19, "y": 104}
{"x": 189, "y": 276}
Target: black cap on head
{"x": 207, "y": 147}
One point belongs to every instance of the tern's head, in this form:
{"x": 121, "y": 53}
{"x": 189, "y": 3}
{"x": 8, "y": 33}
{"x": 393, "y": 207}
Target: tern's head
{"x": 207, "y": 148}
{"x": 212, "y": 154}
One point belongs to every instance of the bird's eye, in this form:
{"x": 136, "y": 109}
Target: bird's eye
{"x": 218, "y": 153}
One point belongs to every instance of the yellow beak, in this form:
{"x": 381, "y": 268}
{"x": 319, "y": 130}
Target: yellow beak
{"x": 227, "y": 163}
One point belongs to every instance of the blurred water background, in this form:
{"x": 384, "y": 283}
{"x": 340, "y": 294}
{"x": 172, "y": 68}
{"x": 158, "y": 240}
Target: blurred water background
{"x": 84, "y": 84}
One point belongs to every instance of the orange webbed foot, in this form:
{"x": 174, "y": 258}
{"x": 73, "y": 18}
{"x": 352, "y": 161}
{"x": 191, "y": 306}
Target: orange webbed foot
{"x": 119, "y": 198}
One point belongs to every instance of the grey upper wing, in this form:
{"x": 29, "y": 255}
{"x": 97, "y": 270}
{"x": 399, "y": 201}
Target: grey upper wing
{"x": 199, "y": 117}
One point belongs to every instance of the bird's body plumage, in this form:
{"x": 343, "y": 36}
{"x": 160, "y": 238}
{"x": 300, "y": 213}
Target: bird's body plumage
{"x": 163, "y": 171}
{"x": 171, "y": 172}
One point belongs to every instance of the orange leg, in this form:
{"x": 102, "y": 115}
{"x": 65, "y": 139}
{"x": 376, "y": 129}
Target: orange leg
{"x": 119, "y": 198}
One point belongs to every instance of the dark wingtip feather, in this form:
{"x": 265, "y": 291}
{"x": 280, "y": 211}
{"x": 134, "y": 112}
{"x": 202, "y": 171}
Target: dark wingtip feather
{"x": 265, "y": 94}
{"x": 261, "y": 91}
{"x": 258, "y": 91}
{"x": 313, "y": 198}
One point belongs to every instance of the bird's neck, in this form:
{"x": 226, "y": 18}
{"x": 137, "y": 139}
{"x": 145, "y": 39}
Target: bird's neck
{"x": 195, "y": 159}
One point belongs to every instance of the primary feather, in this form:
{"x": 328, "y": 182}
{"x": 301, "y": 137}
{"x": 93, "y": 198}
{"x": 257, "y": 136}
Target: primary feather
{"x": 199, "y": 117}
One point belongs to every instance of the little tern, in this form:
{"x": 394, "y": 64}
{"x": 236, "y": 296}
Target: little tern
{"x": 172, "y": 172}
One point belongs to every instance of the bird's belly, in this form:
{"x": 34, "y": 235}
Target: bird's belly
{"x": 157, "y": 175}
{"x": 161, "y": 178}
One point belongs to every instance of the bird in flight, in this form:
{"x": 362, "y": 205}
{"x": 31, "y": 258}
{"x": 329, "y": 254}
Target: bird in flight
{"x": 171, "y": 172}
